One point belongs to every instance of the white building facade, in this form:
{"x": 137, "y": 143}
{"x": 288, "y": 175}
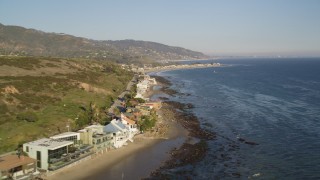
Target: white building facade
{"x": 45, "y": 149}
{"x": 121, "y": 134}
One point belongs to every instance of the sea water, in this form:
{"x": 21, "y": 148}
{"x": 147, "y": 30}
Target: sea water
{"x": 272, "y": 102}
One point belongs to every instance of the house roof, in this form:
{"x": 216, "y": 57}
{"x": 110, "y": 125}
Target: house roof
{"x": 128, "y": 114}
{"x": 66, "y": 134}
{"x": 94, "y": 126}
{"x": 11, "y": 161}
{"x": 110, "y": 128}
{"x": 114, "y": 126}
{"x": 124, "y": 118}
{"x": 50, "y": 144}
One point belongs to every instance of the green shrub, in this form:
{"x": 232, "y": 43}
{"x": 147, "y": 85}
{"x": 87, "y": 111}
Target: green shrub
{"x": 9, "y": 99}
{"x": 3, "y": 109}
{"x": 129, "y": 104}
{"x": 72, "y": 149}
{"x": 116, "y": 111}
{"x": 147, "y": 122}
{"x": 140, "y": 100}
{"x": 36, "y": 107}
{"x": 28, "y": 116}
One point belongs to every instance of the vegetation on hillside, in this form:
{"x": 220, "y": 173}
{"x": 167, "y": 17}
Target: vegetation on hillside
{"x": 17, "y": 40}
{"x": 41, "y": 96}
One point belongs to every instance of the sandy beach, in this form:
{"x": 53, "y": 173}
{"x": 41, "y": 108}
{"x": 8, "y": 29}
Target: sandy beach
{"x": 141, "y": 162}
{"x": 103, "y": 162}
{"x": 127, "y": 160}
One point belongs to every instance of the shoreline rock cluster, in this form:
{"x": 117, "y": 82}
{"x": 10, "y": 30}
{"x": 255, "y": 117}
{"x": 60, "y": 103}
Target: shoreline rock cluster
{"x": 182, "y": 160}
{"x": 191, "y": 151}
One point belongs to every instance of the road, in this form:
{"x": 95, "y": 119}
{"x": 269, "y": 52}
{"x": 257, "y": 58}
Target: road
{"x": 117, "y": 102}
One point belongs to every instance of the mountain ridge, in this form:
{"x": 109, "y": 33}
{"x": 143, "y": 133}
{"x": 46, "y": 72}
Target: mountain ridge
{"x": 17, "y": 40}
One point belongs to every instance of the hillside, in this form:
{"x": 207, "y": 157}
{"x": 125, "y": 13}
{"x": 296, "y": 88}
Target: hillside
{"x": 15, "y": 40}
{"x": 41, "y": 96}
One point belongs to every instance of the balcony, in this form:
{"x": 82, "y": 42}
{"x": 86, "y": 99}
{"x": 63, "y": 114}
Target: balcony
{"x": 66, "y": 159}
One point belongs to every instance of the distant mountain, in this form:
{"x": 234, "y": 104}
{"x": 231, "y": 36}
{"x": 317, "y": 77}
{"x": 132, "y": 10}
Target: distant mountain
{"x": 15, "y": 40}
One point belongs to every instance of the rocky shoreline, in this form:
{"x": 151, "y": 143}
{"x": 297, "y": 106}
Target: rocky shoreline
{"x": 183, "y": 159}
{"x": 194, "y": 149}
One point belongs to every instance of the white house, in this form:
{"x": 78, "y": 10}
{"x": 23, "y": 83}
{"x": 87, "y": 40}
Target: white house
{"x": 144, "y": 85}
{"x": 139, "y": 95}
{"x": 96, "y": 128}
{"x": 152, "y": 81}
{"x": 130, "y": 124}
{"x": 94, "y": 135}
{"x": 45, "y": 149}
{"x": 121, "y": 134}
{"x": 142, "y": 88}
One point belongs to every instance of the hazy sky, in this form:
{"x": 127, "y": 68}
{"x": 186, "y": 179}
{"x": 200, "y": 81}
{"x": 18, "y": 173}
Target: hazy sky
{"x": 233, "y": 27}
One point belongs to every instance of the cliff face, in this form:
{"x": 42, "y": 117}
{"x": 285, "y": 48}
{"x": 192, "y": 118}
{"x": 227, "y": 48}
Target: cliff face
{"x": 15, "y": 40}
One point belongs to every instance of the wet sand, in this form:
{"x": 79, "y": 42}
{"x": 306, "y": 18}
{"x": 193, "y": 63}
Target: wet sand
{"x": 142, "y": 162}
{"x": 103, "y": 162}
{"x": 134, "y": 161}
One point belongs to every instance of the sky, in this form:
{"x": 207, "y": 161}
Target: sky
{"x": 224, "y": 27}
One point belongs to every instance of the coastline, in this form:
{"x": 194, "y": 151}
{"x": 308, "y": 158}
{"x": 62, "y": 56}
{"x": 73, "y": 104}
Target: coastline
{"x": 174, "y": 167}
{"x": 179, "y": 142}
{"x": 171, "y": 135}
{"x": 183, "y": 66}
{"x": 194, "y": 147}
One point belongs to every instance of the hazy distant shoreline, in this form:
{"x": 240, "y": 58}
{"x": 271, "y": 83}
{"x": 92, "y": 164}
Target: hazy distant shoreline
{"x": 182, "y": 66}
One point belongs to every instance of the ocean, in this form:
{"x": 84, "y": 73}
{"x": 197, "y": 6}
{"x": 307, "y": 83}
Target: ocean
{"x": 272, "y": 102}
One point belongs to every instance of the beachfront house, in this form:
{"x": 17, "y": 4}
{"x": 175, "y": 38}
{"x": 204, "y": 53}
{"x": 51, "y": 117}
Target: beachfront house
{"x": 95, "y": 136}
{"x": 130, "y": 125}
{"x": 52, "y": 154}
{"x": 152, "y": 105}
{"x": 152, "y": 81}
{"x": 139, "y": 95}
{"x": 44, "y": 150}
{"x": 142, "y": 88}
{"x": 133, "y": 114}
{"x": 144, "y": 85}
{"x": 119, "y": 131}
{"x": 144, "y": 110}
{"x": 17, "y": 167}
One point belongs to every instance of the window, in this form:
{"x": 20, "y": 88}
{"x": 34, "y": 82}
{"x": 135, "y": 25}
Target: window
{"x": 70, "y": 138}
{"x": 57, "y": 153}
{"x": 38, "y": 159}
{"x": 27, "y": 148}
